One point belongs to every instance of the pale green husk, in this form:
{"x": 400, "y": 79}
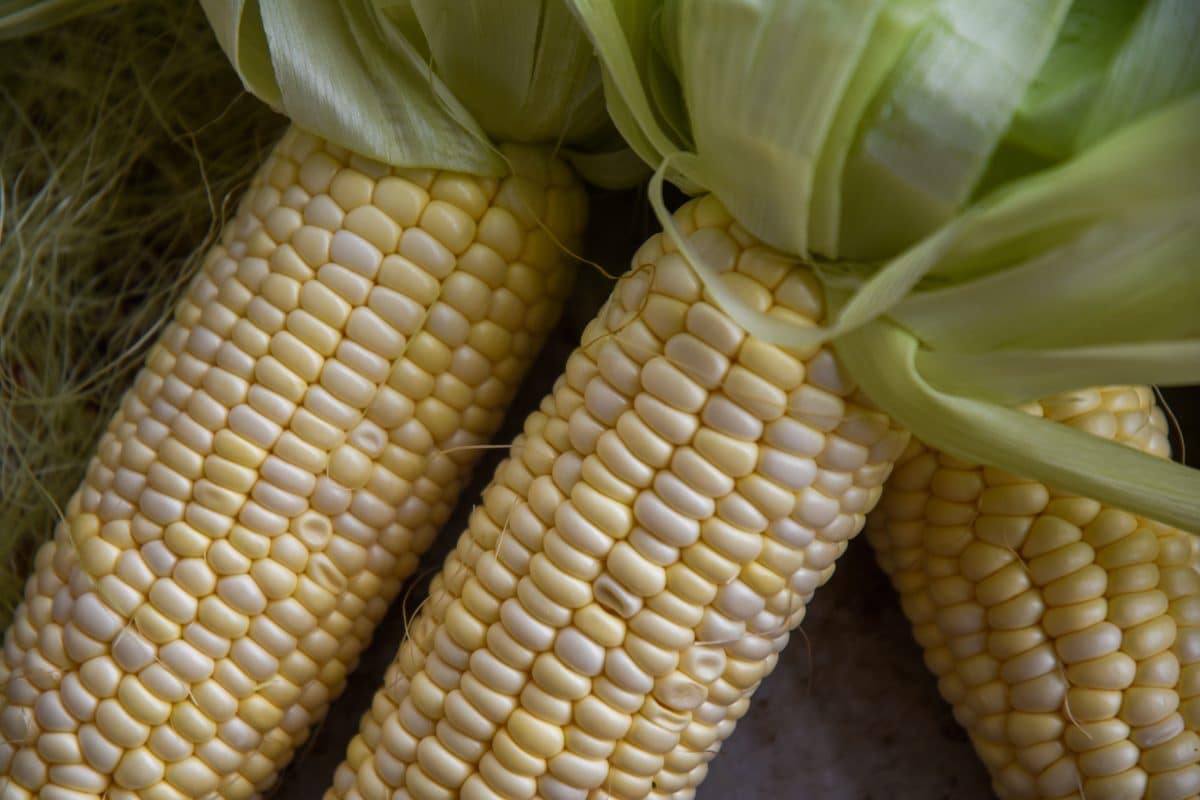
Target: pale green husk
{"x": 20, "y": 18}
{"x": 425, "y": 83}
{"x": 975, "y": 251}
{"x": 124, "y": 139}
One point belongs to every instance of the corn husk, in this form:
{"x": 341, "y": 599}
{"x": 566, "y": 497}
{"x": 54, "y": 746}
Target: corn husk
{"x": 975, "y": 255}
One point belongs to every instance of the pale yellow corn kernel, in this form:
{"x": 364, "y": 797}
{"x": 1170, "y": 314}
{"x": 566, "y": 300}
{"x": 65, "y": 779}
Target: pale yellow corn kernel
{"x": 1113, "y": 682}
{"x": 632, "y": 545}
{"x": 239, "y": 468}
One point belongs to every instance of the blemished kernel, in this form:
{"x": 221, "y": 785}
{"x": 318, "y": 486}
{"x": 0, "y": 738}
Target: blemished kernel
{"x": 629, "y": 526}
{"x": 230, "y": 555}
{"x": 1095, "y": 601}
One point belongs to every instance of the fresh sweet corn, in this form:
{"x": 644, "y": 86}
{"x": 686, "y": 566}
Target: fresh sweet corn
{"x": 637, "y": 563}
{"x": 296, "y": 438}
{"x": 1065, "y": 633}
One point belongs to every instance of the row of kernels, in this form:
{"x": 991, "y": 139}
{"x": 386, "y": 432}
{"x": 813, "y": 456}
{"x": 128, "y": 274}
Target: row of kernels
{"x": 165, "y": 363}
{"x": 510, "y": 634}
{"x": 498, "y": 400}
{"x": 421, "y": 644}
{"x": 555, "y": 605}
{"x": 1047, "y": 545}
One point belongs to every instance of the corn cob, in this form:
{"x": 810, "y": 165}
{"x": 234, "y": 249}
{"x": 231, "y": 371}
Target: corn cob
{"x": 1066, "y": 634}
{"x": 290, "y": 448}
{"x": 640, "y": 558}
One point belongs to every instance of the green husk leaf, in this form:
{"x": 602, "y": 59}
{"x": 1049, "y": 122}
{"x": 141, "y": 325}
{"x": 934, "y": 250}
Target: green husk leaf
{"x": 882, "y": 358}
{"x": 618, "y": 168}
{"x": 869, "y": 300}
{"x": 525, "y": 70}
{"x": 424, "y": 83}
{"x": 1112, "y": 63}
{"x": 1159, "y": 63}
{"x": 932, "y": 130}
{"x": 1059, "y": 99}
{"x": 1057, "y": 276}
{"x": 25, "y": 17}
{"x": 239, "y": 29}
{"x": 344, "y": 73}
{"x": 621, "y": 33}
{"x": 893, "y": 31}
{"x": 1013, "y": 377}
{"x": 1121, "y": 281}
{"x": 763, "y": 87}
{"x": 847, "y": 84}
{"x": 1141, "y": 180}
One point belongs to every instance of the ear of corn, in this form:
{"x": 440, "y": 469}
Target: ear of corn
{"x": 637, "y": 563}
{"x": 1065, "y": 633}
{"x": 289, "y": 449}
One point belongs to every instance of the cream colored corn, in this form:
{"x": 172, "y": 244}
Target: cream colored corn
{"x": 638, "y": 562}
{"x": 1065, "y": 633}
{"x": 277, "y": 470}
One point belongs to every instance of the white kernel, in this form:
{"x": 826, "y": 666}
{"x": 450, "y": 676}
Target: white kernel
{"x": 653, "y": 548}
{"x": 737, "y": 510}
{"x": 288, "y": 476}
{"x": 613, "y": 451}
{"x": 256, "y": 428}
{"x": 634, "y": 571}
{"x": 347, "y": 385}
{"x": 448, "y": 324}
{"x": 678, "y": 691}
{"x": 842, "y": 454}
{"x": 275, "y": 407}
{"x": 243, "y": 593}
{"x": 257, "y": 663}
{"x": 278, "y": 500}
{"x": 663, "y": 521}
{"x": 604, "y": 402}
{"x": 170, "y": 599}
{"x": 718, "y": 629}
{"x": 168, "y": 744}
{"x": 664, "y": 380}
{"x": 693, "y": 468}
{"x": 186, "y": 661}
{"x": 705, "y": 664}
{"x": 724, "y": 415}
{"x": 794, "y": 472}
{"x": 423, "y": 249}
{"x": 731, "y": 541}
{"x": 698, "y": 360}
{"x": 579, "y": 652}
{"x": 50, "y": 713}
{"x": 159, "y": 507}
{"x": 824, "y": 372}
{"x": 95, "y": 618}
{"x": 261, "y": 520}
{"x": 708, "y": 324}
{"x": 611, "y": 594}
{"x": 159, "y": 558}
{"x": 819, "y": 409}
{"x": 78, "y": 700}
{"x": 791, "y": 532}
{"x": 128, "y": 483}
{"x": 676, "y": 426}
{"x": 97, "y": 749}
{"x": 683, "y": 498}
{"x": 626, "y": 673}
{"x": 814, "y": 509}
